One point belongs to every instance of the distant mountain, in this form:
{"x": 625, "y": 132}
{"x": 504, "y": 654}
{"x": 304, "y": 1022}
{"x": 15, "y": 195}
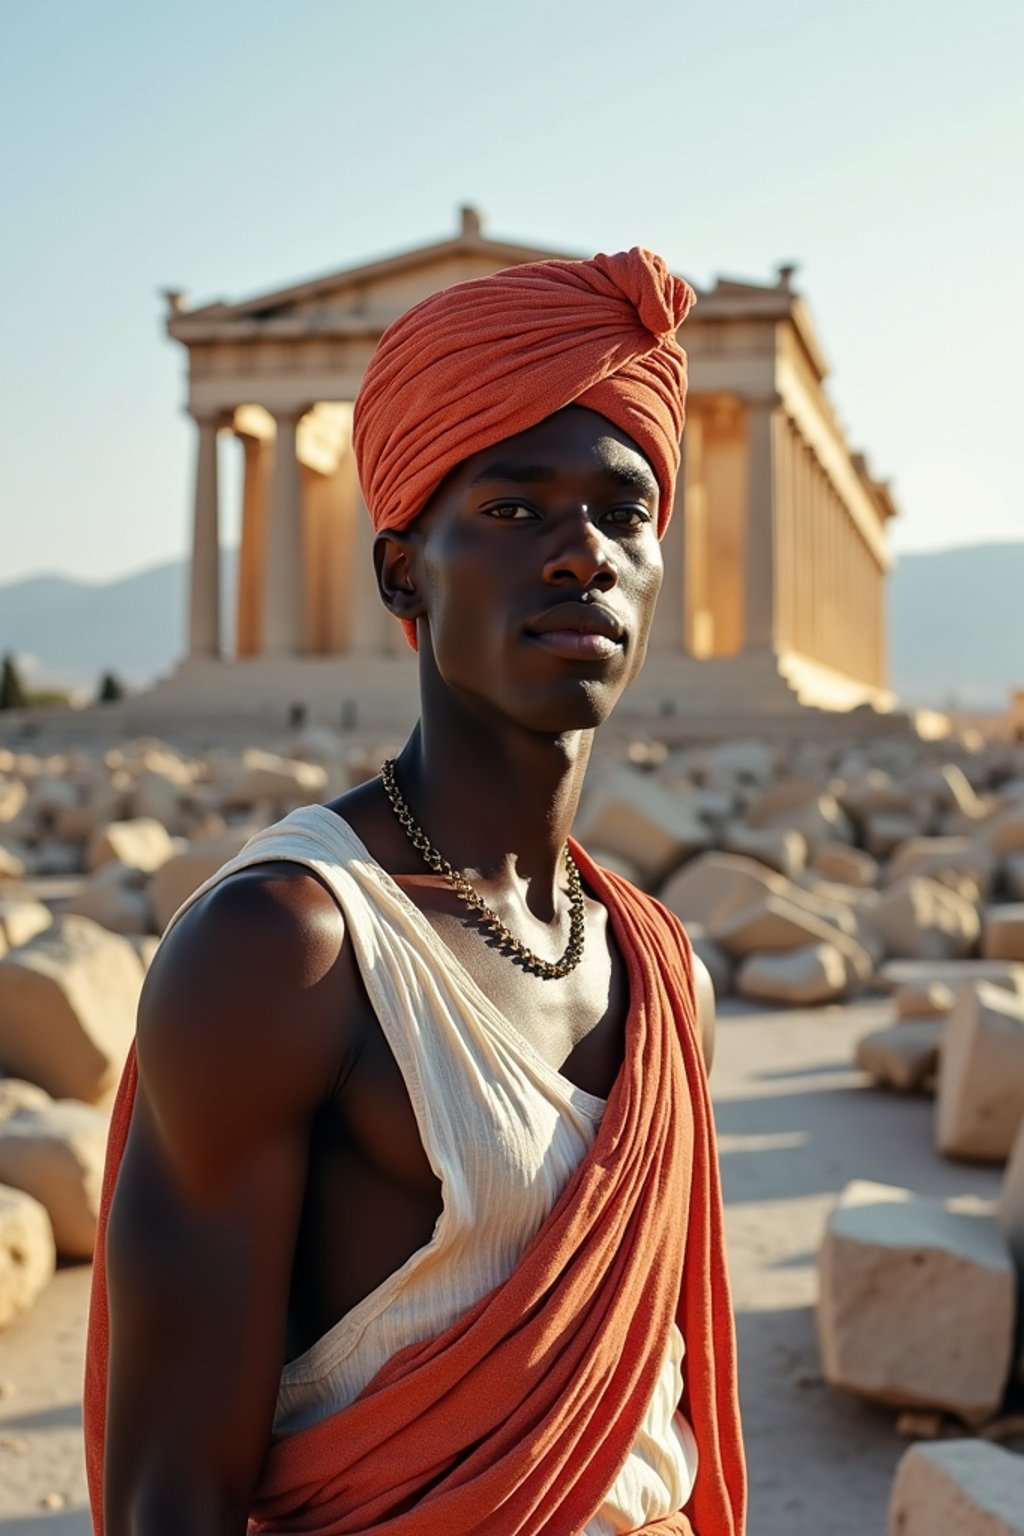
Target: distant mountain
{"x": 956, "y": 625}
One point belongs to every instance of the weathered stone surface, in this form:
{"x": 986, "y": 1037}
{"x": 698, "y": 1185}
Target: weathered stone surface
{"x": 21, "y": 919}
{"x": 55, "y": 1153}
{"x": 904, "y": 1057}
{"x": 141, "y": 844}
{"x": 941, "y": 857}
{"x": 874, "y": 792}
{"x": 780, "y": 848}
{"x": 958, "y": 1488}
{"x": 817, "y": 816}
{"x": 55, "y": 858}
{"x": 886, "y": 830}
{"x": 922, "y": 919}
{"x": 67, "y": 1008}
{"x": 174, "y": 882}
{"x": 747, "y": 761}
{"x": 631, "y": 814}
{"x": 801, "y": 978}
{"x": 13, "y": 795}
{"x": 1003, "y": 932}
{"x": 11, "y": 866}
{"x": 263, "y": 776}
{"x": 924, "y": 1000}
{"x": 952, "y": 973}
{"x": 27, "y": 1254}
{"x": 844, "y": 865}
{"x": 916, "y": 1303}
{"x": 980, "y": 1101}
{"x": 773, "y": 922}
{"x": 714, "y": 885}
{"x": 116, "y": 898}
{"x": 16, "y": 1094}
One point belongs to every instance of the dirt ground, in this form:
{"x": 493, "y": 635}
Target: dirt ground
{"x": 796, "y": 1123}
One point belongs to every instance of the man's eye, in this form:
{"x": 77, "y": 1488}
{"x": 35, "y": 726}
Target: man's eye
{"x": 509, "y": 511}
{"x": 629, "y": 517}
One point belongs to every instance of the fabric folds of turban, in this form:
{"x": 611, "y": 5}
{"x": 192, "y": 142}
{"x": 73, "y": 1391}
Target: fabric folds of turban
{"x": 486, "y": 359}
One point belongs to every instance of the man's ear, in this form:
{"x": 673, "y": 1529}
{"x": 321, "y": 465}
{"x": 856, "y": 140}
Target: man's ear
{"x": 394, "y": 560}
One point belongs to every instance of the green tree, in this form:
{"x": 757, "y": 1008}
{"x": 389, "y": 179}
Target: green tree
{"x": 12, "y": 690}
{"x": 111, "y": 689}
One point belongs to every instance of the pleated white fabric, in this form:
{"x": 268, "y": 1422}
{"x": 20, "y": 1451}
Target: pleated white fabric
{"x": 502, "y": 1130}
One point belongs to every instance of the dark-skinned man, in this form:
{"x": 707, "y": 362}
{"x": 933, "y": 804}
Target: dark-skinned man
{"x": 411, "y": 1222}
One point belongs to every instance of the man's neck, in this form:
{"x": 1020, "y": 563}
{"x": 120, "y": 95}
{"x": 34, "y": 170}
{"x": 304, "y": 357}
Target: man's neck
{"x": 496, "y": 800}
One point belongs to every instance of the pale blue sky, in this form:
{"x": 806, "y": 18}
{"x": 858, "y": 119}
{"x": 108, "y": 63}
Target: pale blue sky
{"x": 227, "y": 148}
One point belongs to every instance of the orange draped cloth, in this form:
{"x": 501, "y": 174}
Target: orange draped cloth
{"x": 517, "y": 1419}
{"x": 484, "y": 360}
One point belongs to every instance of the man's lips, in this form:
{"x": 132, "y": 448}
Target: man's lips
{"x": 578, "y": 631}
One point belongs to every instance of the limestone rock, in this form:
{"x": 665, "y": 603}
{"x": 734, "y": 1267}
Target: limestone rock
{"x": 53, "y": 857}
{"x": 818, "y": 817}
{"x": 55, "y": 1153}
{"x": 886, "y": 830}
{"x": 21, "y": 919}
{"x": 27, "y": 1254}
{"x": 67, "y": 1008}
{"x": 1003, "y": 933}
{"x": 714, "y": 885}
{"x": 802, "y": 978}
{"x": 958, "y": 1488}
{"x": 13, "y": 795}
{"x": 904, "y": 1057}
{"x": 777, "y": 923}
{"x": 16, "y": 1094}
{"x": 951, "y": 973}
{"x": 923, "y": 1000}
{"x": 780, "y": 848}
{"x": 941, "y": 857}
{"x": 916, "y": 1303}
{"x": 874, "y": 792}
{"x": 747, "y": 761}
{"x": 141, "y": 844}
{"x": 922, "y": 919}
{"x": 174, "y": 882}
{"x": 1013, "y": 874}
{"x": 263, "y": 776}
{"x": 980, "y": 1102}
{"x": 632, "y": 815}
{"x": 11, "y": 866}
{"x": 116, "y": 898}
{"x": 844, "y": 865}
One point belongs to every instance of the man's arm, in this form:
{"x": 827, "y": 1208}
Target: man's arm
{"x": 705, "y": 992}
{"x": 239, "y": 1042}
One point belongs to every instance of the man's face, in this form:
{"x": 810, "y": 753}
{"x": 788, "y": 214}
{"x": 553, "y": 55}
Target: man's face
{"x": 539, "y": 565}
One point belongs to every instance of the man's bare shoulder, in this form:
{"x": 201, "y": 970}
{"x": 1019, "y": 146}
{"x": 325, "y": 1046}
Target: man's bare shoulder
{"x": 243, "y": 1008}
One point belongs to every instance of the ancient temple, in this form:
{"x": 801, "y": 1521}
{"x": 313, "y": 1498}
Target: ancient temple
{"x": 776, "y": 557}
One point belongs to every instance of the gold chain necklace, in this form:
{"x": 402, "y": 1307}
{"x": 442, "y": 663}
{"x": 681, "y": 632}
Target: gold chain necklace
{"x": 550, "y": 970}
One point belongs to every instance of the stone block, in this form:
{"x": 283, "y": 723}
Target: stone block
{"x": 141, "y": 844}
{"x": 943, "y": 857}
{"x": 746, "y": 761}
{"x": 885, "y": 831}
{"x": 55, "y": 1153}
{"x": 115, "y": 900}
{"x": 173, "y": 883}
{"x": 843, "y": 865}
{"x": 16, "y": 1094}
{"x": 12, "y": 867}
{"x": 27, "y": 1253}
{"x": 264, "y": 776}
{"x": 1003, "y": 932}
{"x": 924, "y": 1000}
{"x": 68, "y": 1001}
{"x": 630, "y": 814}
{"x": 922, "y": 919}
{"x": 951, "y": 973}
{"x": 818, "y": 817}
{"x": 21, "y": 919}
{"x": 958, "y": 1488}
{"x": 13, "y": 796}
{"x": 714, "y": 885}
{"x": 980, "y": 1102}
{"x": 780, "y": 848}
{"x": 777, "y": 923}
{"x": 799, "y": 978}
{"x": 905, "y": 1057}
{"x": 1013, "y": 874}
{"x": 874, "y": 792}
{"x": 718, "y": 963}
{"x": 916, "y": 1303}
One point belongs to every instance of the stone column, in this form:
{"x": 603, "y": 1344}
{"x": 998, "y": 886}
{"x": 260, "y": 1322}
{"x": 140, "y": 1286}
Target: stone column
{"x": 284, "y": 574}
{"x": 668, "y": 627}
{"x": 763, "y": 422}
{"x": 252, "y": 553}
{"x": 204, "y": 580}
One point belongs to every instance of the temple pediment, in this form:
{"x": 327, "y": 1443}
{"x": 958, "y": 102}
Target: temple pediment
{"x": 358, "y": 298}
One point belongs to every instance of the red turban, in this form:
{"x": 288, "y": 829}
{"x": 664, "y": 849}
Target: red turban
{"x": 485, "y": 360}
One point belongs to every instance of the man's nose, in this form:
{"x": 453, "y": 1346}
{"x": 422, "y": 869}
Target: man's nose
{"x": 580, "y": 555}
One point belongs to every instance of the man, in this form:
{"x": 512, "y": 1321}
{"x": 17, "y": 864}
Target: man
{"x": 412, "y": 1193}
